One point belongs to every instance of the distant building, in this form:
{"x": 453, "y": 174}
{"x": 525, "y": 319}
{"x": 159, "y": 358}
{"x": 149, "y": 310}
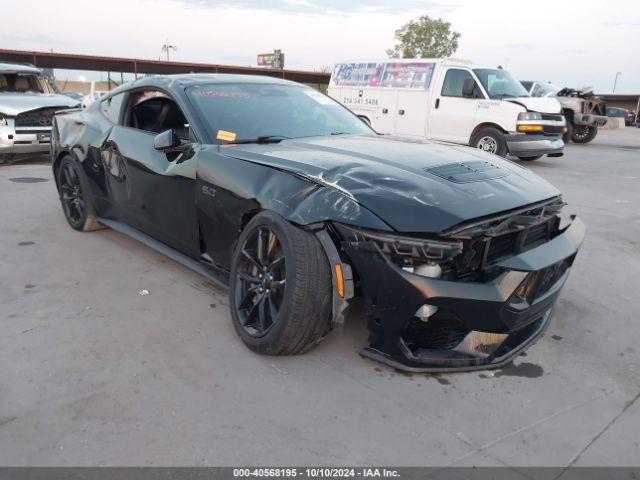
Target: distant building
{"x": 84, "y": 87}
{"x": 621, "y": 100}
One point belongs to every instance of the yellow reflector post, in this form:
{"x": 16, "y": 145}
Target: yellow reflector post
{"x": 339, "y": 279}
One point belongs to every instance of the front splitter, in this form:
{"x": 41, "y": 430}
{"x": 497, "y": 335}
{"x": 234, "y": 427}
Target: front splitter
{"x": 425, "y": 365}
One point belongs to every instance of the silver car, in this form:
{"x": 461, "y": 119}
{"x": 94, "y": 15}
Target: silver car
{"x": 28, "y": 101}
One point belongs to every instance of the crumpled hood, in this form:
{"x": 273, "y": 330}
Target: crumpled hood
{"x": 538, "y": 104}
{"x": 388, "y": 176}
{"x": 13, "y": 104}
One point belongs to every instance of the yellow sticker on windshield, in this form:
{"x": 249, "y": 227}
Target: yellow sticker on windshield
{"x": 226, "y": 136}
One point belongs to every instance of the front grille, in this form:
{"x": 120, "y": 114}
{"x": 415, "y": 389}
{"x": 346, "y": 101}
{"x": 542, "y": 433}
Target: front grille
{"x": 34, "y": 131}
{"x": 502, "y": 246}
{"x": 537, "y": 234}
{"x": 554, "y": 117}
{"x": 509, "y": 244}
{"x": 41, "y": 117}
{"x": 551, "y": 130}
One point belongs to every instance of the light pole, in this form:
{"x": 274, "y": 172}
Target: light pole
{"x": 167, "y": 46}
{"x": 616, "y": 81}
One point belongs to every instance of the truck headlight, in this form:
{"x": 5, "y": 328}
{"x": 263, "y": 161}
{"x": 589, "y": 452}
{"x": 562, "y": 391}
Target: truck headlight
{"x": 406, "y": 251}
{"x": 529, "y": 116}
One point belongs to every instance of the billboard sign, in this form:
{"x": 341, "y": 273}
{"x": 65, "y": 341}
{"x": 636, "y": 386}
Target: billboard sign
{"x": 272, "y": 60}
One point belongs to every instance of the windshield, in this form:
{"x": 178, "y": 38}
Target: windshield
{"x": 544, "y": 90}
{"x": 252, "y": 111}
{"x": 21, "y": 82}
{"x": 499, "y": 84}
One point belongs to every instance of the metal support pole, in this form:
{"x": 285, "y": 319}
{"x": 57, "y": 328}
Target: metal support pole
{"x": 616, "y": 81}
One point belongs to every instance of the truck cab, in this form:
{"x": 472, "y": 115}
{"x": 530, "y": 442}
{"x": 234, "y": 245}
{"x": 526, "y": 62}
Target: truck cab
{"x": 453, "y": 101}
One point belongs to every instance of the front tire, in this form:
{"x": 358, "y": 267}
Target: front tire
{"x": 490, "y": 140}
{"x": 584, "y": 133}
{"x": 280, "y": 295}
{"x": 76, "y": 202}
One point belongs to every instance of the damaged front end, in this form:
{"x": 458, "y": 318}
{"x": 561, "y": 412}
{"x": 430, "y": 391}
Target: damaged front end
{"x": 470, "y": 298}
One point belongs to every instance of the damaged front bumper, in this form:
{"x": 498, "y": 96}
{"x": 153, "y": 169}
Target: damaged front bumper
{"x": 589, "y": 119}
{"x": 520, "y": 145}
{"x": 476, "y": 325}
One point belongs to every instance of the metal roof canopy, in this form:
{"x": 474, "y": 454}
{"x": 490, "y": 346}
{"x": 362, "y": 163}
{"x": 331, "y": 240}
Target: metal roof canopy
{"x": 139, "y": 66}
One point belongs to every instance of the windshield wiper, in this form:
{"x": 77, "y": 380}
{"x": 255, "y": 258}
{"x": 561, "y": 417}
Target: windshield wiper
{"x": 340, "y": 133}
{"x": 262, "y": 139}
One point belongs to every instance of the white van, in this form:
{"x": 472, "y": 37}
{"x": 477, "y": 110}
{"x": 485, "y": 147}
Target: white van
{"x": 451, "y": 100}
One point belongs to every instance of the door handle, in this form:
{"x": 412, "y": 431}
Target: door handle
{"x": 400, "y": 112}
{"x": 385, "y": 110}
{"x": 437, "y": 102}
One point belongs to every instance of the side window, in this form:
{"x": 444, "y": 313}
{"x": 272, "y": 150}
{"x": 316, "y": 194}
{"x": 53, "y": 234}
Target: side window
{"x": 453, "y": 82}
{"x": 154, "y": 111}
{"x": 111, "y": 107}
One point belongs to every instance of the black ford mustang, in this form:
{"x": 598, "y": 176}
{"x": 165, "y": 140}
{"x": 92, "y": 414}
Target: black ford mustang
{"x": 286, "y": 197}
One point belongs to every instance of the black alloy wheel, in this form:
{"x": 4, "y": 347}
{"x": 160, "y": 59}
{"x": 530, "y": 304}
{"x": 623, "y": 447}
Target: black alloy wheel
{"x": 280, "y": 294}
{"x": 260, "y": 285}
{"x": 584, "y": 133}
{"x": 73, "y": 203}
{"x": 74, "y": 197}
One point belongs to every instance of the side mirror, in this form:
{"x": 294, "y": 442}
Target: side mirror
{"x": 468, "y": 88}
{"x": 166, "y": 141}
{"x": 365, "y": 120}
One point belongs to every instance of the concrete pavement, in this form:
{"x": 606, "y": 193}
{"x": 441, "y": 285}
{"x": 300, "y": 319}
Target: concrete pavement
{"x": 93, "y": 373}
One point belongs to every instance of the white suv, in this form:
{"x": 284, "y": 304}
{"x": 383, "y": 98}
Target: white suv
{"x": 28, "y": 101}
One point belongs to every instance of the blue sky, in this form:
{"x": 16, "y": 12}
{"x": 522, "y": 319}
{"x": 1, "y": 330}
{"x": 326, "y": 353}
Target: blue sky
{"x": 565, "y": 42}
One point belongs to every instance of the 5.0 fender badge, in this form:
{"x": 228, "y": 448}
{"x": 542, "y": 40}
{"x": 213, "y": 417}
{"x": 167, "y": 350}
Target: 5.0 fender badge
{"x": 210, "y": 191}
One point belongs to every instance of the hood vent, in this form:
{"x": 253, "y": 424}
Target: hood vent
{"x": 467, "y": 172}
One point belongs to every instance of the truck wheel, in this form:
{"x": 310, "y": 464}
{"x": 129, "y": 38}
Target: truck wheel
{"x": 280, "y": 295}
{"x": 490, "y": 140}
{"x": 566, "y": 136}
{"x": 584, "y": 133}
{"x": 74, "y": 197}
{"x": 530, "y": 159}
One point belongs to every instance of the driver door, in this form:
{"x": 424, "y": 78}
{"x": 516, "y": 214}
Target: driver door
{"x": 156, "y": 189}
{"x": 453, "y": 115}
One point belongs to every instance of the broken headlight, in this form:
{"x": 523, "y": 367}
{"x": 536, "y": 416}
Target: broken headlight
{"x": 405, "y": 251}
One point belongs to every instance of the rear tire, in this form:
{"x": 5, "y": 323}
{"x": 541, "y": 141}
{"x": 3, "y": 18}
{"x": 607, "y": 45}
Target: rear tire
{"x": 288, "y": 313}
{"x": 76, "y": 202}
{"x": 490, "y": 140}
{"x": 584, "y": 133}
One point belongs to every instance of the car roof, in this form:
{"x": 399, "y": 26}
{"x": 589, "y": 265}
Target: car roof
{"x": 17, "y": 67}
{"x": 182, "y": 81}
